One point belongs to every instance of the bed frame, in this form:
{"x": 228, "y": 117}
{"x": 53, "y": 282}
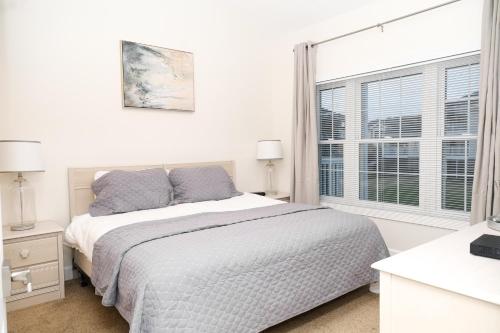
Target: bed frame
{"x": 81, "y": 196}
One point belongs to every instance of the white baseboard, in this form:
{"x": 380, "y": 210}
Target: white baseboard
{"x": 69, "y": 273}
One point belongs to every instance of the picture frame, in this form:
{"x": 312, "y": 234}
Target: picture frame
{"x": 155, "y": 77}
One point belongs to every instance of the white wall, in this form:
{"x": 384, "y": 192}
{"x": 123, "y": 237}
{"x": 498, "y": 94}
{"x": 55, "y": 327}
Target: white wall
{"x": 60, "y": 80}
{"x": 400, "y": 236}
{"x": 445, "y": 31}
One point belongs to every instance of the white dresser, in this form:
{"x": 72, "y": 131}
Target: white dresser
{"x": 440, "y": 287}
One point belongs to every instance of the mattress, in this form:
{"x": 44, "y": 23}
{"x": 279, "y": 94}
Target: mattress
{"x": 85, "y": 230}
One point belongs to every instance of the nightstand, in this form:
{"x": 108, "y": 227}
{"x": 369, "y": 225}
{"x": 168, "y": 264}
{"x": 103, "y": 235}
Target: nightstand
{"x": 283, "y": 196}
{"x": 39, "y": 250}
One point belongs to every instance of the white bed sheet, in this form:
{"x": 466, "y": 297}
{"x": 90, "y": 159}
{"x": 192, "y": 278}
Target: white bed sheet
{"x": 85, "y": 230}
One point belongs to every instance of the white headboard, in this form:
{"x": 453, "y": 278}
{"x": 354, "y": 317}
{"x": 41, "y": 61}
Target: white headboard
{"x": 80, "y": 181}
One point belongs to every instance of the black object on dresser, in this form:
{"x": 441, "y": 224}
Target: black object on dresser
{"x": 486, "y": 246}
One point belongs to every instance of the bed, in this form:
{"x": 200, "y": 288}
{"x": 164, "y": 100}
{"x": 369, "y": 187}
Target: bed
{"x": 236, "y": 265}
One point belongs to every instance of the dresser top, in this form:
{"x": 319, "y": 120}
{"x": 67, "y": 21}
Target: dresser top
{"x": 447, "y": 263}
{"x": 43, "y": 227}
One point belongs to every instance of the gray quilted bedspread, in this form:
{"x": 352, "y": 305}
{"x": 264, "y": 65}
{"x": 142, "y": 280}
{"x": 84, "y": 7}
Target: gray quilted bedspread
{"x": 240, "y": 271}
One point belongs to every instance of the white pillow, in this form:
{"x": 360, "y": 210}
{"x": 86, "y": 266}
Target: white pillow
{"x": 99, "y": 174}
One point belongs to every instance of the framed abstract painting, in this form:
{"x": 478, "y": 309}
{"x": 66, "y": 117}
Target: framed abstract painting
{"x": 157, "y": 78}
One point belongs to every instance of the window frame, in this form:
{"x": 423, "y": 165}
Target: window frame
{"x": 417, "y": 70}
{"x": 441, "y": 135}
{"x": 430, "y": 143}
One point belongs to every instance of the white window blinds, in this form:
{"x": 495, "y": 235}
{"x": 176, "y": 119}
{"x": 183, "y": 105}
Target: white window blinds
{"x": 392, "y": 108}
{"x": 460, "y": 130}
{"x": 331, "y": 171}
{"x": 389, "y": 172}
{"x": 402, "y": 140}
{"x": 332, "y": 121}
{"x": 461, "y": 100}
{"x": 332, "y": 113}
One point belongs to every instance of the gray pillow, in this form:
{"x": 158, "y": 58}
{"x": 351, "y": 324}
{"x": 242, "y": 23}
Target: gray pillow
{"x": 201, "y": 184}
{"x": 125, "y": 191}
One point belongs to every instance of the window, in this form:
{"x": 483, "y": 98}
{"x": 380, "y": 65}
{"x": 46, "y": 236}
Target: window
{"x": 389, "y": 172}
{"x": 458, "y": 173}
{"x": 461, "y": 109}
{"x": 331, "y": 129}
{"x": 403, "y": 140}
{"x": 332, "y": 114}
{"x": 391, "y": 108}
{"x": 461, "y": 100}
{"x": 331, "y": 170}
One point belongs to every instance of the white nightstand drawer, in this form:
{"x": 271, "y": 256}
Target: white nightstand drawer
{"x": 31, "y": 252}
{"x": 43, "y": 276}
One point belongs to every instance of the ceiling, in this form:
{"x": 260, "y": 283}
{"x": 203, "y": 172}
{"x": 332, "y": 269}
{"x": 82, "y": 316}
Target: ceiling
{"x": 294, "y": 14}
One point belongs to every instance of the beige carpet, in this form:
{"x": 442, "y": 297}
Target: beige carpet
{"x": 81, "y": 311}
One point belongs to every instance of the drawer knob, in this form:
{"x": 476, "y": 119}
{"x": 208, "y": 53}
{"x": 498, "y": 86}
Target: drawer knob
{"x": 24, "y": 253}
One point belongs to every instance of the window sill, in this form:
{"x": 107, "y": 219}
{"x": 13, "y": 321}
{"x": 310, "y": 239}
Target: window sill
{"x": 430, "y": 221}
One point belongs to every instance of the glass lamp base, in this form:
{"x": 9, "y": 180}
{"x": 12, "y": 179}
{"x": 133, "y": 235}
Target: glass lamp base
{"x": 21, "y": 227}
{"x": 23, "y": 202}
{"x": 494, "y": 222}
{"x": 270, "y": 189}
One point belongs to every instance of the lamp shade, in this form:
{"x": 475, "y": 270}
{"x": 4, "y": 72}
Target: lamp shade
{"x": 269, "y": 150}
{"x": 20, "y": 156}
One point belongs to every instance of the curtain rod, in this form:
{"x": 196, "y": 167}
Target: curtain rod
{"x": 381, "y": 25}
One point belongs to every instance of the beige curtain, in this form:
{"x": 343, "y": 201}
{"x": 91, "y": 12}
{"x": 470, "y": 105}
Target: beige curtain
{"x": 486, "y": 188}
{"x": 304, "y": 186}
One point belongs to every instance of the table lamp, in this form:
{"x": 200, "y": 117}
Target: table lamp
{"x": 18, "y": 156}
{"x": 269, "y": 150}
